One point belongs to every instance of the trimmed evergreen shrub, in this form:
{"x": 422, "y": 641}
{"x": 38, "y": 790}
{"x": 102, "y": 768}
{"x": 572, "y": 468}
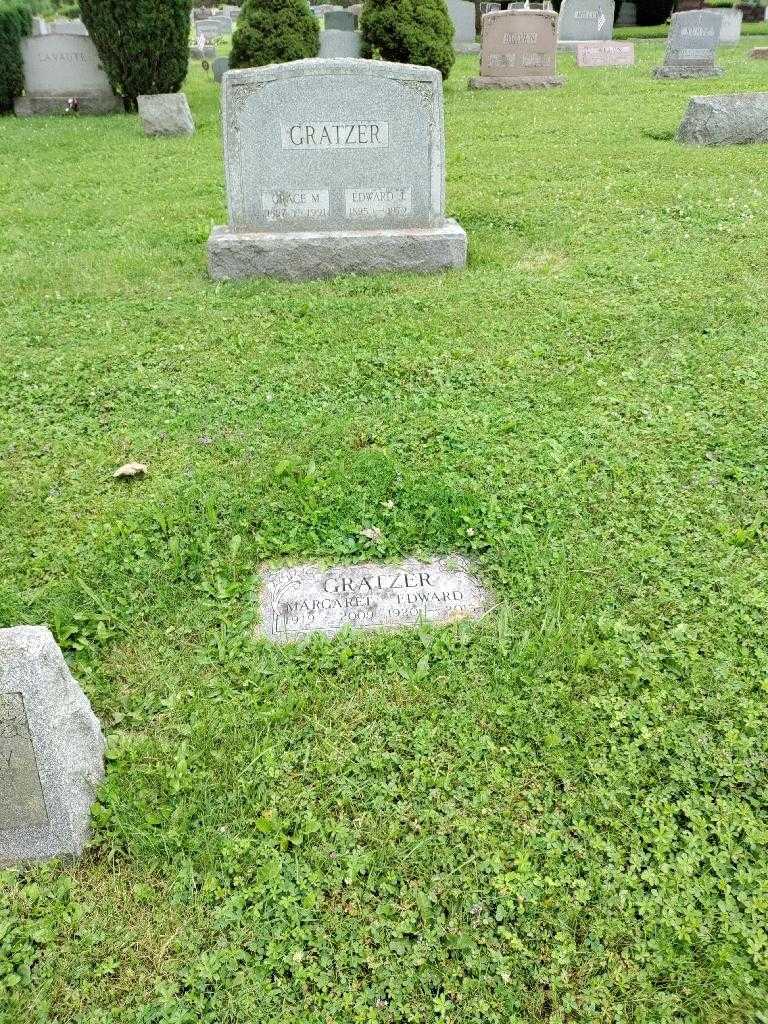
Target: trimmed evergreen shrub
{"x": 409, "y": 32}
{"x": 143, "y": 44}
{"x": 15, "y": 23}
{"x": 272, "y": 32}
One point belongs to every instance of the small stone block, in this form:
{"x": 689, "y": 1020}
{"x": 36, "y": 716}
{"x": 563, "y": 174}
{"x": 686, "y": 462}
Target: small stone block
{"x": 736, "y": 119}
{"x": 51, "y": 750}
{"x": 309, "y": 255}
{"x": 166, "y": 114}
{"x": 759, "y": 53}
{"x": 299, "y": 601}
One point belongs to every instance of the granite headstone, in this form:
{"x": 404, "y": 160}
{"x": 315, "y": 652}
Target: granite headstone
{"x": 220, "y": 67}
{"x": 519, "y": 51}
{"x": 334, "y": 166}
{"x": 584, "y": 21}
{"x": 58, "y": 67}
{"x": 730, "y": 26}
{"x": 462, "y": 14}
{"x": 691, "y": 46}
{"x": 51, "y": 750}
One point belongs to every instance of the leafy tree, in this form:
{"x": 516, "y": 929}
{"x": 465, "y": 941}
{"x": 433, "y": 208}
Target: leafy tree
{"x": 15, "y": 23}
{"x": 143, "y": 44}
{"x": 274, "y": 31}
{"x": 409, "y": 32}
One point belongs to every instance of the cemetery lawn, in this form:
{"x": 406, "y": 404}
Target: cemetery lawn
{"x": 557, "y": 814}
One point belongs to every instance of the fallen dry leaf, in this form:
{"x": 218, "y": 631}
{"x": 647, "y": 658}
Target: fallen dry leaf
{"x": 372, "y": 533}
{"x": 131, "y": 469}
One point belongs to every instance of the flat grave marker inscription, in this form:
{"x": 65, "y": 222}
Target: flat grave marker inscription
{"x": 299, "y": 601}
{"x": 605, "y": 55}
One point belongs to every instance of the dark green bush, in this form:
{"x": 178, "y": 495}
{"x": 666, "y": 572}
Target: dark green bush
{"x": 274, "y": 31}
{"x": 15, "y": 23}
{"x": 409, "y": 32}
{"x": 143, "y": 44}
{"x": 653, "y": 12}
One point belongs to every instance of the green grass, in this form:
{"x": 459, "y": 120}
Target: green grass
{"x": 556, "y": 815}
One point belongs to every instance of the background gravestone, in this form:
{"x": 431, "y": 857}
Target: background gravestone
{"x": 51, "y": 750}
{"x": 344, "y": 21}
{"x": 730, "y": 26}
{"x": 584, "y": 21}
{"x": 339, "y": 37}
{"x": 57, "y": 67}
{"x": 519, "y": 51}
{"x": 334, "y": 166}
{"x": 691, "y": 45}
{"x": 728, "y": 120}
{"x": 220, "y": 67}
{"x": 462, "y": 14}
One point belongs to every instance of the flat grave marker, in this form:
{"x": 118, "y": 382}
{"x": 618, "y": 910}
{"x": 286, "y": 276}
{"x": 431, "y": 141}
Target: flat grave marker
{"x": 299, "y": 601}
{"x": 605, "y": 55}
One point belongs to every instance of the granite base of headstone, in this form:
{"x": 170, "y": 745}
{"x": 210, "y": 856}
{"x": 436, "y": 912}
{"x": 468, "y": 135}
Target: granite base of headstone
{"x": 729, "y": 120}
{"x": 220, "y": 67}
{"x": 59, "y": 67}
{"x": 51, "y": 751}
{"x": 166, "y": 114}
{"x": 691, "y": 46}
{"x": 303, "y": 600}
{"x": 519, "y": 51}
{"x": 333, "y": 167}
{"x": 605, "y": 55}
{"x": 339, "y": 43}
{"x": 584, "y": 21}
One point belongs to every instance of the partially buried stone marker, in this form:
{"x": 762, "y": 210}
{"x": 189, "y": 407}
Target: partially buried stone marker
{"x": 691, "y": 46}
{"x": 166, "y": 114}
{"x": 51, "y": 750}
{"x": 334, "y": 166}
{"x": 306, "y": 599}
{"x": 725, "y": 120}
{"x": 518, "y": 51}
